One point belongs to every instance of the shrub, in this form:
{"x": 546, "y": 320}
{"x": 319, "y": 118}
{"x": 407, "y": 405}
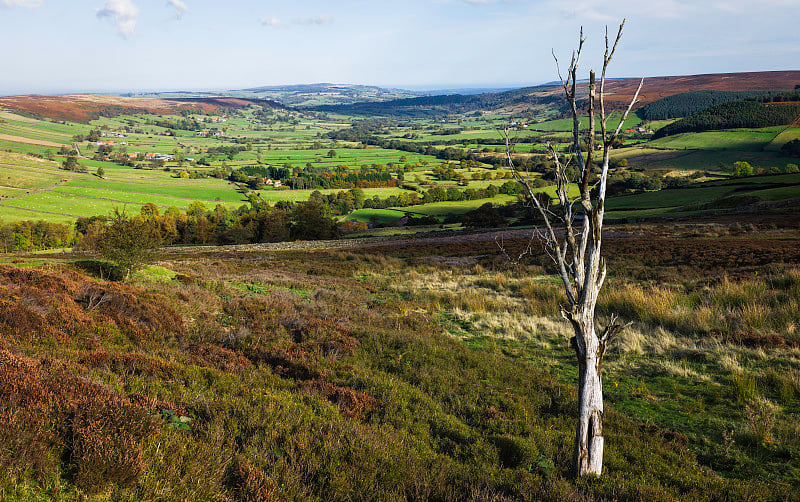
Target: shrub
{"x": 128, "y": 242}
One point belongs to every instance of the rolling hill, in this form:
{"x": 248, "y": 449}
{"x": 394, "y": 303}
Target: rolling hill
{"x": 618, "y": 93}
{"x": 86, "y": 107}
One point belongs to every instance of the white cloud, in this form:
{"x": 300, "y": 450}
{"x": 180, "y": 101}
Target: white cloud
{"x": 270, "y": 21}
{"x": 124, "y": 14}
{"x": 21, "y": 3}
{"x": 180, "y": 7}
{"x": 318, "y": 20}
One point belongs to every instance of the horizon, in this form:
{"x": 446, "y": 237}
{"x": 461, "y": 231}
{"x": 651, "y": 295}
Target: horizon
{"x": 411, "y": 88}
{"x": 122, "y": 46}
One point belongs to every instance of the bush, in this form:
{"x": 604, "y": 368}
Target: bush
{"x": 128, "y": 242}
{"x": 484, "y": 217}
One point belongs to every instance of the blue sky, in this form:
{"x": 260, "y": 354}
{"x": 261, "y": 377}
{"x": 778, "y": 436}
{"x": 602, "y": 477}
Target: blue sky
{"x": 130, "y": 45}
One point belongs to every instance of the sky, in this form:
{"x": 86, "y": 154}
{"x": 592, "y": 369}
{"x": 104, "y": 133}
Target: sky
{"x": 57, "y": 46}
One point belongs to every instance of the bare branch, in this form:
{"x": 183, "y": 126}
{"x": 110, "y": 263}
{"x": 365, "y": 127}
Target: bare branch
{"x": 634, "y": 100}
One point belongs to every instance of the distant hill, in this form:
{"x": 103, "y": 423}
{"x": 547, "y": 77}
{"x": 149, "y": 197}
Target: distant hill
{"x": 306, "y": 95}
{"x": 618, "y": 93}
{"x": 424, "y": 106}
{"x": 621, "y": 90}
{"x": 86, "y": 107}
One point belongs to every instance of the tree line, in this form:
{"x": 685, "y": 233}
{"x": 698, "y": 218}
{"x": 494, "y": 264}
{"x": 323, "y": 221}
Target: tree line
{"x": 687, "y": 103}
{"x": 767, "y": 111}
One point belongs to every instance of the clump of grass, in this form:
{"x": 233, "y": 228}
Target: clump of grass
{"x": 761, "y": 414}
{"x": 744, "y": 386}
{"x": 750, "y": 311}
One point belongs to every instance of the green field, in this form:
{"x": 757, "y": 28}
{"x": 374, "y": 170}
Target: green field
{"x": 21, "y": 177}
{"x": 294, "y": 195}
{"x": 377, "y": 215}
{"x": 441, "y": 209}
{"x": 743, "y": 140}
{"x": 297, "y": 140}
{"x": 726, "y": 194}
{"x": 784, "y": 137}
{"x": 652, "y": 159}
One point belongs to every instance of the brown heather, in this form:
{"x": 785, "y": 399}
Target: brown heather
{"x": 335, "y": 376}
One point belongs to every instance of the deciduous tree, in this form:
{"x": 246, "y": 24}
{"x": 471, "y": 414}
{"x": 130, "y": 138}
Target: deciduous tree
{"x": 128, "y": 242}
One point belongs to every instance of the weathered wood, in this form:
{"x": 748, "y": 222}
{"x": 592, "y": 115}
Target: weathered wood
{"x": 577, "y": 254}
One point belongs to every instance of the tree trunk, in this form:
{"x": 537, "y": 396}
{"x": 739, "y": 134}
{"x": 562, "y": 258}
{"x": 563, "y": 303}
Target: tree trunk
{"x": 588, "y": 457}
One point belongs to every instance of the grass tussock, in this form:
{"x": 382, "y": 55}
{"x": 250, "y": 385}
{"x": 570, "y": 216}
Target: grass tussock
{"x": 756, "y": 312}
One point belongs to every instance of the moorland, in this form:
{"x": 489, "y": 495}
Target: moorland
{"x": 330, "y": 317}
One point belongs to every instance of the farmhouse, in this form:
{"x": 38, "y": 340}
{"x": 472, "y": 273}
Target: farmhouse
{"x": 158, "y": 156}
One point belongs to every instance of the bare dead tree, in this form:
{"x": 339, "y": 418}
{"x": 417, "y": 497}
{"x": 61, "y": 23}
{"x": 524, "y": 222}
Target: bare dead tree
{"x": 572, "y": 234}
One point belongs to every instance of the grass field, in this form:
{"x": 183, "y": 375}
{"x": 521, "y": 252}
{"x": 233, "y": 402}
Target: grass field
{"x": 441, "y": 209}
{"x": 784, "y": 137}
{"x": 754, "y": 140}
{"x": 298, "y": 140}
{"x": 21, "y": 177}
{"x": 377, "y": 215}
{"x": 652, "y": 159}
{"x": 292, "y": 195}
{"x": 686, "y": 201}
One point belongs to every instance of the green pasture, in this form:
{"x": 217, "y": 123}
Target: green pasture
{"x": 10, "y": 214}
{"x": 352, "y": 157}
{"x": 303, "y": 195}
{"x": 761, "y": 180}
{"x": 778, "y": 194}
{"x": 6, "y": 192}
{"x": 187, "y": 189}
{"x": 441, "y": 209}
{"x": 25, "y": 148}
{"x": 740, "y": 139}
{"x": 126, "y": 197}
{"x": 671, "y": 201}
{"x": 379, "y": 216}
{"x": 70, "y": 205}
{"x": 665, "y": 198}
{"x": 784, "y": 137}
{"x": 20, "y": 177}
{"x": 566, "y": 124}
{"x": 32, "y": 132}
{"x": 653, "y": 159}
{"x": 16, "y": 159}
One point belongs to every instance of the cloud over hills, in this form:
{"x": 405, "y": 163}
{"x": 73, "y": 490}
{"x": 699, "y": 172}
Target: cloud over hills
{"x": 123, "y": 13}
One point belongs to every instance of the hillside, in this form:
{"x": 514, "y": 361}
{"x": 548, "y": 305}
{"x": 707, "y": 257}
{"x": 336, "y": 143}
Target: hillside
{"x": 85, "y": 107}
{"x": 320, "y": 94}
{"x": 621, "y": 90}
{"x": 619, "y": 93}
{"x": 257, "y": 374}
